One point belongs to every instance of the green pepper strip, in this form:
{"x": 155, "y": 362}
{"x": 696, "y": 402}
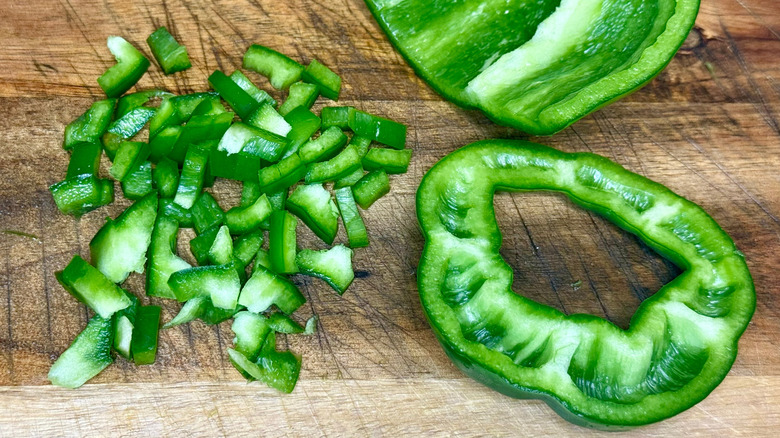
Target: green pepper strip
{"x": 328, "y": 82}
{"x": 191, "y": 181}
{"x": 315, "y": 207}
{"x": 390, "y": 160}
{"x": 279, "y": 69}
{"x": 166, "y": 177}
{"x": 282, "y": 242}
{"x": 87, "y": 356}
{"x": 145, "y": 333}
{"x": 130, "y": 66}
{"x": 537, "y": 66}
{"x": 206, "y": 213}
{"x": 241, "y": 102}
{"x": 171, "y": 55}
{"x": 138, "y": 183}
{"x": 350, "y": 216}
{"x": 370, "y": 188}
{"x": 379, "y": 129}
{"x": 162, "y": 260}
{"x": 304, "y": 124}
{"x": 91, "y": 125}
{"x": 682, "y": 340}
{"x": 333, "y": 265}
{"x": 92, "y": 288}
{"x": 301, "y": 94}
{"x": 260, "y": 95}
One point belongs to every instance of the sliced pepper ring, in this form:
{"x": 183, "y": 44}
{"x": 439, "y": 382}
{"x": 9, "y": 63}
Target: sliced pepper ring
{"x": 681, "y": 342}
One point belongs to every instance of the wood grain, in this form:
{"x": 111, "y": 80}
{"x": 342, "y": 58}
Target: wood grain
{"x": 707, "y": 127}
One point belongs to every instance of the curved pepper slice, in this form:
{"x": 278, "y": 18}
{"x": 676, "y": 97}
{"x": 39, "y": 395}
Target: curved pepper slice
{"x": 681, "y": 342}
{"x": 536, "y": 65}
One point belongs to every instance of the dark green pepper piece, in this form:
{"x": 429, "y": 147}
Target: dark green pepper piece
{"x": 371, "y": 187}
{"x": 90, "y": 126}
{"x": 130, "y": 66}
{"x": 87, "y": 356}
{"x": 92, "y": 288}
{"x": 145, "y": 334}
{"x": 171, "y": 55}
{"x": 282, "y": 244}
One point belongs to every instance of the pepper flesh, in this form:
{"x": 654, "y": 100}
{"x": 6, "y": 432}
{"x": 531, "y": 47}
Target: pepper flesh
{"x": 130, "y": 66}
{"x": 536, "y": 65}
{"x": 681, "y": 342}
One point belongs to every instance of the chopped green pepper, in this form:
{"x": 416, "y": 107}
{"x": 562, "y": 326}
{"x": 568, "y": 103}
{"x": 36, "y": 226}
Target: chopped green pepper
{"x": 281, "y": 175}
{"x": 220, "y": 283}
{"x": 145, "y": 332}
{"x": 333, "y": 265}
{"x": 245, "y": 219}
{"x": 87, "y": 356}
{"x": 83, "y": 193}
{"x": 241, "y": 151}
{"x": 279, "y": 69}
{"x": 340, "y": 166}
{"x": 282, "y": 242}
{"x": 166, "y": 177}
{"x": 301, "y": 94}
{"x": 350, "y": 216}
{"x": 536, "y": 66}
{"x": 281, "y": 323}
{"x": 92, "y": 288}
{"x": 191, "y": 181}
{"x": 245, "y": 246}
{"x": 267, "y": 118}
{"x": 681, "y": 342}
{"x": 129, "y": 102}
{"x": 84, "y": 160}
{"x": 241, "y": 102}
{"x": 123, "y": 323}
{"x": 315, "y": 207}
{"x": 206, "y": 213}
{"x": 171, "y": 55}
{"x": 162, "y": 260}
{"x": 130, "y": 155}
{"x": 261, "y": 96}
{"x": 265, "y": 288}
{"x": 130, "y": 66}
{"x": 390, "y": 160}
{"x": 251, "y": 330}
{"x": 138, "y": 183}
{"x": 371, "y": 187}
{"x": 90, "y": 126}
{"x": 304, "y": 124}
{"x": 175, "y": 211}
{"x": 328, "y": 82}
{"x": 323, "y": 147}
{"x": 119, "y": 247}
{"x": 337, "y": 116}
{"x": 377, "y": 128}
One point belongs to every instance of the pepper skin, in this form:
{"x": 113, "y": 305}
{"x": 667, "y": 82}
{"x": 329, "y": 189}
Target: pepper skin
{"x": 536, "y": 65}
{"x": 681, "y": 341}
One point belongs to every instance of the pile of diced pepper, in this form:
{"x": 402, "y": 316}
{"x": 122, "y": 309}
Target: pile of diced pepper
{"x": 194, "y": 139}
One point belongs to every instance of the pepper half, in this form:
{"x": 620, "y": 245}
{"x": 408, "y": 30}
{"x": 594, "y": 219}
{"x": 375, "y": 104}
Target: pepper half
{"x": 681, "y": 341}
{"x": 536, "y": 65}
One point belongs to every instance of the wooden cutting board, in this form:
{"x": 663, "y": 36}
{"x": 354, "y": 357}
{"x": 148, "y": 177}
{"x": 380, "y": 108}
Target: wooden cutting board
{"x": 707, "y": 127}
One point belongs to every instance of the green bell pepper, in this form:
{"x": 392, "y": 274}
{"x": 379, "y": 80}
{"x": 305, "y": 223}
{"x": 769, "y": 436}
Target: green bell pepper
{"x": 328, "y": 82}
{"x": 371, "y": 187}
{"x": 92, "y": 288}
{"x": 265, "y": 288}
{"x": 192, "y": 173}
{"x": 315, "y": 207}
{"x": 166, "y": 177}
{"x": 279, "y": 69}
{"x": 282, "y": 242}
{"x": 162, "y": 260}
{"x": 87, "y": 356}
{"x": 130, "y": 66}
{"x": 536, "y": 65}
{"x": 119, "y": 247}
{"x": 206, "y": 213}
{"x": 145, "y": 333}
{"x": 301, "y": 94}
{"x": 303, "y": 124}
{"x": 138, "y": 183}
{"x": 90, "y": 126}
{"x": 350, "y": 216}
{"x": 171, "y": 55}
{"x": 260, "y": 95}
{"x": 268, "y": 119}
{"x": 681, "y": 342}
{"x": 333, "y": 265}
{"x": 82, "y": 194}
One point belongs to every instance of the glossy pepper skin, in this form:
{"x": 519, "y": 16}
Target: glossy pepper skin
{"x": 681, "y": 341}
{"x": 536, "y": 65}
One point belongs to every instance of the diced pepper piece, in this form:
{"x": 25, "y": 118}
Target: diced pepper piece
{"x": 279, "y": 69}
{"x": 262, "y": 260}
{"x": 301, "y": 94}
{"x": 200, "y": 129}
{"x": 304, "y": 124}
{"x": 311, "y": 325}
{"x": 391, "y": 161}
{"x": 138, "y": 99}
{"x": 241, "y": 152}
{"x": 282, "y": 244}
{"x": 191, "y": 180}
{"x": 166, "y": 177}
{"x": 261, "y": 96}
{"x": 221, "y": 251}
{"x": 138, "y": 183}
{"x": 201, "y": 308}
{"x": 350, "y": 216}
{"x": 84, "y": 160}
{"x": 176, "y": 110}
{"x": 371, "y": 187}
{"x": 200, "y": 245}
{"x": 175, "y": 211}
{"x": 162, "y": 259}
{"x": 278, "y": 370}
{"x": 245, "y": 219}
{"x": 379, "y": 129}
{"x": 361, "y": 144}
{"x": 350, "y": 179}
{"x": 333, "y": 265}
{"x": 145, "y": 334}
{"x": 129, "y": 124}
{"x": 90, "y": 126}
{"x": 162, "y": 144}
{"x": 267, "y": 118}
{"x": 209, "y": 107}
{"x": 245, "y": 247}
{"x": 337, "y": 116}
{"x": 87, "y": 356}
{"x": 221, "y": 283}
{"x": 241, "y": 102}
{"x": 315, "y": 207}
{"x": 123, "y": 323}
{"x": 81, "y": 194}
{"x": 206, "y": 213}
{"x": 278, "y": 201}
{"x": 250, "y": 191}
{"x": 343, "y": 164}
{"x": 328, "y": 81}
{"x": 281, "y": 323}
{"x": 251, "y": 330}
{"x": 265, "y": 288}
{"x": 92, "y": 288}
{"x": 281, "y": 175}
{"x": 130, "y": 66}
{"x": 171, "y": 55}
{"x": 129, "y": 156}
{"x": 323, "y": 147}
{"x": 119, "y": 247}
